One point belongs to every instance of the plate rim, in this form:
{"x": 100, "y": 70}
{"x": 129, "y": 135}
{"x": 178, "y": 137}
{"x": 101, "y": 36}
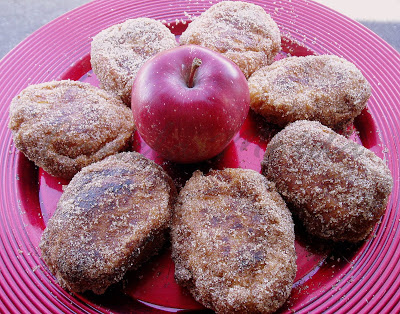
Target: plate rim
{"x": 36, "y": 70}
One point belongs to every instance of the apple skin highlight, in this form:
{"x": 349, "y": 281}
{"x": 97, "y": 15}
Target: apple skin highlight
{"x": 189, "y": 124}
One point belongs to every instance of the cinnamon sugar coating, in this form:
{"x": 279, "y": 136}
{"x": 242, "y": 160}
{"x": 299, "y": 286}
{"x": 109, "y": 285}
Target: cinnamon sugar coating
{"x": 119, "y": 51}
{"x": 112, "y": 216}
{"x": 233, "y": 242}
{"x": 63, "y": 126}
{"x": 324, "y": 88}
{"x": 242, "y": 32}
{"x": 338, "y": 188}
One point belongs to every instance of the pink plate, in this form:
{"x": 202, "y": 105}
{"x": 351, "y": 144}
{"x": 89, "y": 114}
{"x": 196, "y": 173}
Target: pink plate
{"x": 359, "y": 278}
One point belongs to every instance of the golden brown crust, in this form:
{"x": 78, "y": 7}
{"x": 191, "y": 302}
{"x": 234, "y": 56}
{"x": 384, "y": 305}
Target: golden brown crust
{"x": 119, "y": 51}
{"x": 242, "y": 32}
{"x": 111, "y": 217}
{"x": 233, "y": 242}
{"x": 63, "y": 126}
{"x": 324, "y": 88}
{"x": 337, "y": 188}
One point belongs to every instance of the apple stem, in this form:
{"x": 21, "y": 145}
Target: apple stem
{"x": 195, "y": 64}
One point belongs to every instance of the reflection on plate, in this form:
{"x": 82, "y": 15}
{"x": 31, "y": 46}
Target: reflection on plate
{"x": 362, "y": 277}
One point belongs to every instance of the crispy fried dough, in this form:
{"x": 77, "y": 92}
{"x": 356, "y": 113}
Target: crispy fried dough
{"x": 242, "y": 32}
{"x": 112, "y": 216}
{"x": 324, "y": 88}
{"x": 119, "y": 51}
{"x": 63, "y": 126}
{"x": 233, "y": 242}
{"x": 338, "y": 188}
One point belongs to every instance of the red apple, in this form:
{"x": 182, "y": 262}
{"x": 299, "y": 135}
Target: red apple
{"x": 188, "y": 103}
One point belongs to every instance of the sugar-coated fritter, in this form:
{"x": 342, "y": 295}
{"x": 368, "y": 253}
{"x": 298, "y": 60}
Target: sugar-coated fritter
{"x": 338, "y": 188}
{"x": 233, "y": 242}
{"x": 241, "y": 31}
{"x": 112, "y": 216}
{"x": 323, "y": 88}
{"x": 63, "y": 126}
{"x": 119, "y": 51}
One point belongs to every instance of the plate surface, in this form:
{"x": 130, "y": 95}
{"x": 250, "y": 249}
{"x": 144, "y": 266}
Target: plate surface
{"x": 357, "y": 278}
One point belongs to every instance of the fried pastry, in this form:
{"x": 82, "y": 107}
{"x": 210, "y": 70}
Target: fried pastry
{"x": 119, "y": 51}
{"x": 112, "y": 217}
{"x": 336, "y": 187}
{"x": 323, "y": 88}
{"x": 233, "y": 242}
{"x": 63, "y": 126}
{"x": 241, "y": 31}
